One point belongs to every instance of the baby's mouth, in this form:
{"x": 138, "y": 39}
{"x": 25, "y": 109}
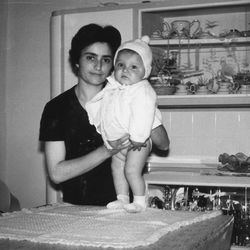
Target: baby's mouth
{"x": 124, "y": 77}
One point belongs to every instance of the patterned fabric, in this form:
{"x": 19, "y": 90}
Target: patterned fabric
{"x": 95, "y": 226}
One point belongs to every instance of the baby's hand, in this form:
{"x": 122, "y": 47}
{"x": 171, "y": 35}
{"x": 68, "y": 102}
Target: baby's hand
{"x": 137, "y": 145}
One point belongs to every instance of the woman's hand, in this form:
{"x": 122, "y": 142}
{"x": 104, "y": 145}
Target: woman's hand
{"x": 119, "y": 144}
{"x": 62, "y": 170}
{"x": 137, "y": 145}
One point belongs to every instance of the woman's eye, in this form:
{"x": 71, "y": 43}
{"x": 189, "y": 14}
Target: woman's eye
{"x": 107, "y": 60}
{"x": 90, "y": 58}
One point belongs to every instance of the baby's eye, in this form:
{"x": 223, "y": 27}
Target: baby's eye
{"x": 119, "y": 65}
{"x": 134, "y": 67}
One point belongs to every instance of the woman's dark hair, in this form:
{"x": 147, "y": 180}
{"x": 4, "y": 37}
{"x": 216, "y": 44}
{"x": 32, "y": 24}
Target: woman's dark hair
{"x": 89, "y": 34}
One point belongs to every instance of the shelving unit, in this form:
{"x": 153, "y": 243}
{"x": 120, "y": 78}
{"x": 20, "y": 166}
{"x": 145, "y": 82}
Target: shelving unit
{"x": 176, "y": 175}
{"x": 224, "y": 22}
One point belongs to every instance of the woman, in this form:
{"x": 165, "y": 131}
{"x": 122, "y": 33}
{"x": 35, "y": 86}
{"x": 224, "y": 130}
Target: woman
{"x": 74, "y": 151}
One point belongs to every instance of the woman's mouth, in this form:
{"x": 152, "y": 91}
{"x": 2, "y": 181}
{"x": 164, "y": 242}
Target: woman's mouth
{"x": 97, "y": 74}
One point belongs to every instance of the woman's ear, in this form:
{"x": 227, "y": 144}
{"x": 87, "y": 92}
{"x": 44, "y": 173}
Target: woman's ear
{"x": 76, "y": 69}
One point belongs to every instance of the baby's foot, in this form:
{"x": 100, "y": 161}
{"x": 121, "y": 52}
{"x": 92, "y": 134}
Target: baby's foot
{"x": 116, "y": 204}
{"x": 134, "y": 208}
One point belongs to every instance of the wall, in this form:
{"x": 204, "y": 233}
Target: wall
{"x": 3, "y": 37}
{"x": 25, "y": 88}
{"x": 202, "y": 135}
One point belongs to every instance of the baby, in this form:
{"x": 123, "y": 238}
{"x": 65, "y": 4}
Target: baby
{"x": 128, "y": 106}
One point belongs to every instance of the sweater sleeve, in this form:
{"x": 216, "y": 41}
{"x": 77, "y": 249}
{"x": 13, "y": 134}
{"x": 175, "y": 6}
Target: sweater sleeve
{"x": 51, "y": 126}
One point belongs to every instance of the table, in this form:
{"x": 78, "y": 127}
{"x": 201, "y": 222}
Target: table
{"x": 213, "y": 233}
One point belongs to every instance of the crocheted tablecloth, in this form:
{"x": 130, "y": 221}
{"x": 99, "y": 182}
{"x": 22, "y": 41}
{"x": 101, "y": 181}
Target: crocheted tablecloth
{"x": 95, "y": 226}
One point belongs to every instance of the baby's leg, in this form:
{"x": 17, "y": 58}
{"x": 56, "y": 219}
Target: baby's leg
{"x": 133, "y": 170}
{"x": 120, "y": 181}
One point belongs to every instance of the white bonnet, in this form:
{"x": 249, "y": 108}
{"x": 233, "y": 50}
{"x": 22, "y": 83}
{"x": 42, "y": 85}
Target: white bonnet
{"x": 141, "y": 47}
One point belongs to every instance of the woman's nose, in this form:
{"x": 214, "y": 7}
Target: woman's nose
{"x": 98, "y": 64}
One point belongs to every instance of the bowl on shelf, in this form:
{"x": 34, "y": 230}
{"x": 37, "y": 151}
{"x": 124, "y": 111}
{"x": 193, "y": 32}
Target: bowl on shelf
{"x": 164, "y": 90}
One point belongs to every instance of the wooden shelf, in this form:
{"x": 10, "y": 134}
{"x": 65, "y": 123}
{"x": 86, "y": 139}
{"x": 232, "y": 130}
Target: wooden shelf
{"x": 204, "y": 101}
{"x": 192, "y": 174}
{"x": 220, "y": 41}
{"x": 239, "y": 248}
{"x": 194, "y": 177}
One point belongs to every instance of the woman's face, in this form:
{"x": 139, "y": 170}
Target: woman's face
{"x": 95, "y": 63}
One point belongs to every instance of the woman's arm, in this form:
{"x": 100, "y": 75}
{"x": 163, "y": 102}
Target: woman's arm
{"x": 61, "y": 170}
{"x": 160, "y": 140}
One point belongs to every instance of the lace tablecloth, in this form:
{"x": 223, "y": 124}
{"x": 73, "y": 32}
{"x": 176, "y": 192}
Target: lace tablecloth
{"x": 95, "y": 226}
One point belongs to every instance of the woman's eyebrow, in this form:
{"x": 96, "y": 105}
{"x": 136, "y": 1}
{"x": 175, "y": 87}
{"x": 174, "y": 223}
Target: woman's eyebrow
{"x": 94, "y": 54}
{"x": 107, "y": 56}
{"x": 89, "y": 53}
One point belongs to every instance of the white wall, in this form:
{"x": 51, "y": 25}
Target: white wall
{"x": 24, "y": 90}
{"x": 202, "y": 135}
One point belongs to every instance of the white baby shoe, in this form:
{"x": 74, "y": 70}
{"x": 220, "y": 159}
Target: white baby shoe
{"x": 119, "y": 203}
{"x": 134, "y": 208}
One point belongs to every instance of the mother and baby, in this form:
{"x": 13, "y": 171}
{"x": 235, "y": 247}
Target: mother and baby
{"x": 99, "y": 133}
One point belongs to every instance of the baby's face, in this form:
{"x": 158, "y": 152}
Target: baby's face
{"x": 129, "y": 68}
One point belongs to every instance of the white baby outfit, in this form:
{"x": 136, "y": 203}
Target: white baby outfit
{"x": 120, "y": 109}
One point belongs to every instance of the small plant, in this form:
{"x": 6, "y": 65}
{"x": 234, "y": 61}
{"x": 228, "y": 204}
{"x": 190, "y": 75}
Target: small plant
{"x": 165, "y": 69}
